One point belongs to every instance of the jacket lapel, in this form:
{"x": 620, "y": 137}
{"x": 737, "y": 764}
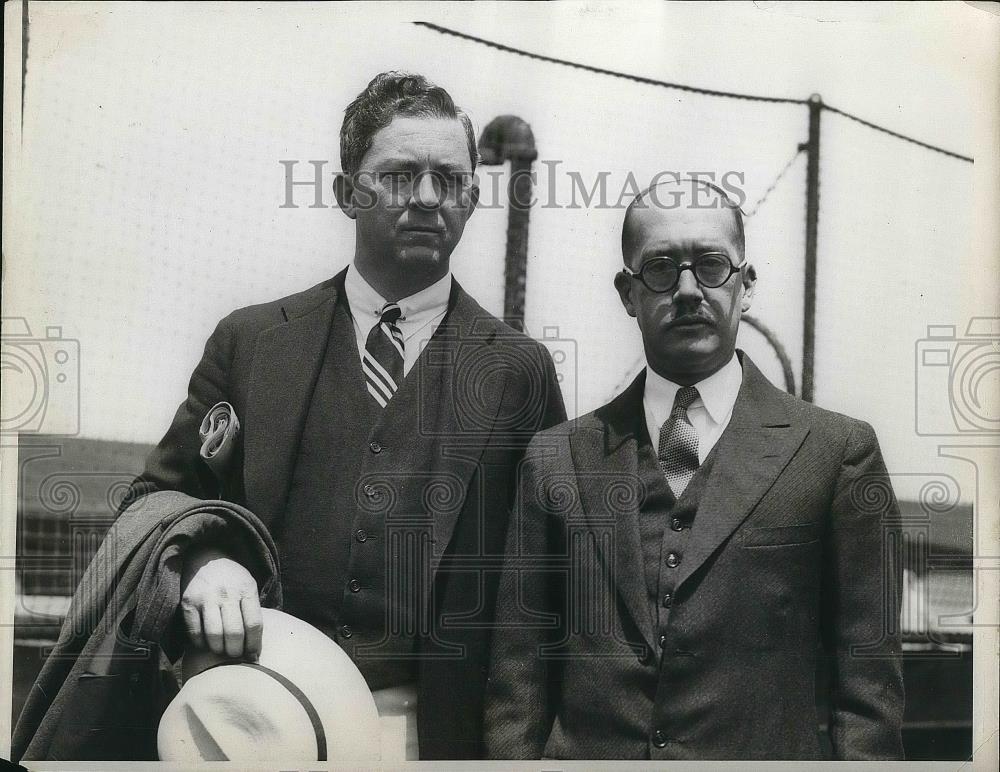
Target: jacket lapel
{"x": 753, "y": 450}
{"x": 612, "y": 496}
{"x": 287, "y": 361}
{"x": 458, "y": 412}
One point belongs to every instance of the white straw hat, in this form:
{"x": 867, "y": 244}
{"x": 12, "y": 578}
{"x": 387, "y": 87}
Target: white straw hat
{"x": 303, "y": 700}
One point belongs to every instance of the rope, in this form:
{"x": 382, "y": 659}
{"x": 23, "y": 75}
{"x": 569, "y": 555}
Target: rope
{"x": 602, "y": 71}
{"x": 897, "y": 135}
{"x": 770, "y": 189}
{"x": 683, "y": 87}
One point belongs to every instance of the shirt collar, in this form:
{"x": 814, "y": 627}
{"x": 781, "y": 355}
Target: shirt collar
{"x": 428, "y": 301}
{"x": 717, "y": 393}
{"x": 367, "y": 303}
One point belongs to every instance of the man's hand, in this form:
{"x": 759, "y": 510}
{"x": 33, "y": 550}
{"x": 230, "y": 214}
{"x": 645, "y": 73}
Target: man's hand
{"x": 220, "y": 605}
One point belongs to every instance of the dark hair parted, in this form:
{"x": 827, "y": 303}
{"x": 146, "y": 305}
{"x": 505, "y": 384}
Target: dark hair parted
{"x": 390, "y": 94}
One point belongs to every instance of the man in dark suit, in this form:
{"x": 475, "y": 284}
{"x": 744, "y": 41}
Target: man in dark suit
{"x": 684, "y": 559}
{"x": 383, "y": 414}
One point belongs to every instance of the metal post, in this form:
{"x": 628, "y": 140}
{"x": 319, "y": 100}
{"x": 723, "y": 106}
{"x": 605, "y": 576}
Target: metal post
{"x": 509, "y": 137}
{"x": 25, "y": 22}
{"x": 812, "y": 221}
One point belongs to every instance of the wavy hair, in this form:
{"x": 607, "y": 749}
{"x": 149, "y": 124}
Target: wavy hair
{"x": 390, "y": 94}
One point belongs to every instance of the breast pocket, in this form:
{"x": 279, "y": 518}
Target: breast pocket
{"x": 779, "y": 536}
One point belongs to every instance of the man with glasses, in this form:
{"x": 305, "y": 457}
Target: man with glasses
{"x": 686, "y": 560}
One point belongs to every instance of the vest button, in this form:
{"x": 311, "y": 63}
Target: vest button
{"x": 346, "y": 632}
{"x": 361, "y": 534}
{"x": 673, "y": 560}
{"x": 374, "y": 447}
{"x": 668, "y": 600}
{"x": 354, "y": 585}
{"x": 677, "y": 524}
{"x": 663, "y": 641}
{"x": 659, "y": 739}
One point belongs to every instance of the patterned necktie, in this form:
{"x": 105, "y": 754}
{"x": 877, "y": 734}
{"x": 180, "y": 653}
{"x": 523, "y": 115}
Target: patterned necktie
{"x": 383, "y": 357}
{"x": 678, "y": 450}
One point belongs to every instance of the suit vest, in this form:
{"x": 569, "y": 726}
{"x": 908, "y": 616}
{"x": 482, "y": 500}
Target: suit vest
{"x": 665, "y": 527}
{"x": 354, "y": 562}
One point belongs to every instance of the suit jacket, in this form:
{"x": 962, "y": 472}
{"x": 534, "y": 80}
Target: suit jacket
{"x": 789, "y": 567}
{"x": 100, "y": 692}
{"x": 497, "y": 388}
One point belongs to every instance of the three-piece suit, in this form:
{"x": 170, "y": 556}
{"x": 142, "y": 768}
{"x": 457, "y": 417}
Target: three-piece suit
{"x": 633, "y": 624}
{"x": 390, "y": 522}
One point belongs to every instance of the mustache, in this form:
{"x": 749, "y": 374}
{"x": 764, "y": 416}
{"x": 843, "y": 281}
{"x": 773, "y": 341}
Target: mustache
{"x": 682, "y": 315}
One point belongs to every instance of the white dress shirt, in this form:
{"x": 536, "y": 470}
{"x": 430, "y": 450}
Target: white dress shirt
{"x": 422, "y": 312}
{"x": 709, "y": 414}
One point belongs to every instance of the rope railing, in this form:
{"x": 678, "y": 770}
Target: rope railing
{"x": 687, "y": 88}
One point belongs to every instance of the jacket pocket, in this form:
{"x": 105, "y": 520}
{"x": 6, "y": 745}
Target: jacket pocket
{"x": 779, "y": 536}
{"x": 101, "y": 722}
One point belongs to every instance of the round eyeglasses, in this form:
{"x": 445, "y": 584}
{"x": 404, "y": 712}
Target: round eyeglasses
{"x": 662, "y": 274}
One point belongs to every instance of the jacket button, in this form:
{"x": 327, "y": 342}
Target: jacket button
{"x": 663, "y": 641}
{"x": 346, "y": 632}
{"x": 370, "y": 491}
{"x": 354, "y": 585}
{"x": 673, "y": 560}
{"x": 374, "y": 447}
{"x": 677, "y": 524}
{"x": 361, "y": 534}
{"x": 659, "y": 739}
{"x": 668, "y": 600}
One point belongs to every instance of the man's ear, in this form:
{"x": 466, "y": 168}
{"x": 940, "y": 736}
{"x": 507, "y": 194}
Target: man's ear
{"x": 749, "y": 284}
{"x": 473, "y": 199}
{"x": 624, "y": 286}
{"x": 343, "y": 189}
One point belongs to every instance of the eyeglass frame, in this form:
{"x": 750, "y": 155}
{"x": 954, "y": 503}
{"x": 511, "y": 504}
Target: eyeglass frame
{"x": 681, "y": 267}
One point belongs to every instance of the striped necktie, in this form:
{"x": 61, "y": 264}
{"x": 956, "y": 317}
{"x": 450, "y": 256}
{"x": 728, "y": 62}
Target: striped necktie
{"x": 383, "y": 357}
{"x": 678, "y": 450}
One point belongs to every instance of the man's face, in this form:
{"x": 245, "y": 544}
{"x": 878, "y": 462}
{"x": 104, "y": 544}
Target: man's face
{"x": 412, "y": 196}
{"x": 689, "y": 332}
